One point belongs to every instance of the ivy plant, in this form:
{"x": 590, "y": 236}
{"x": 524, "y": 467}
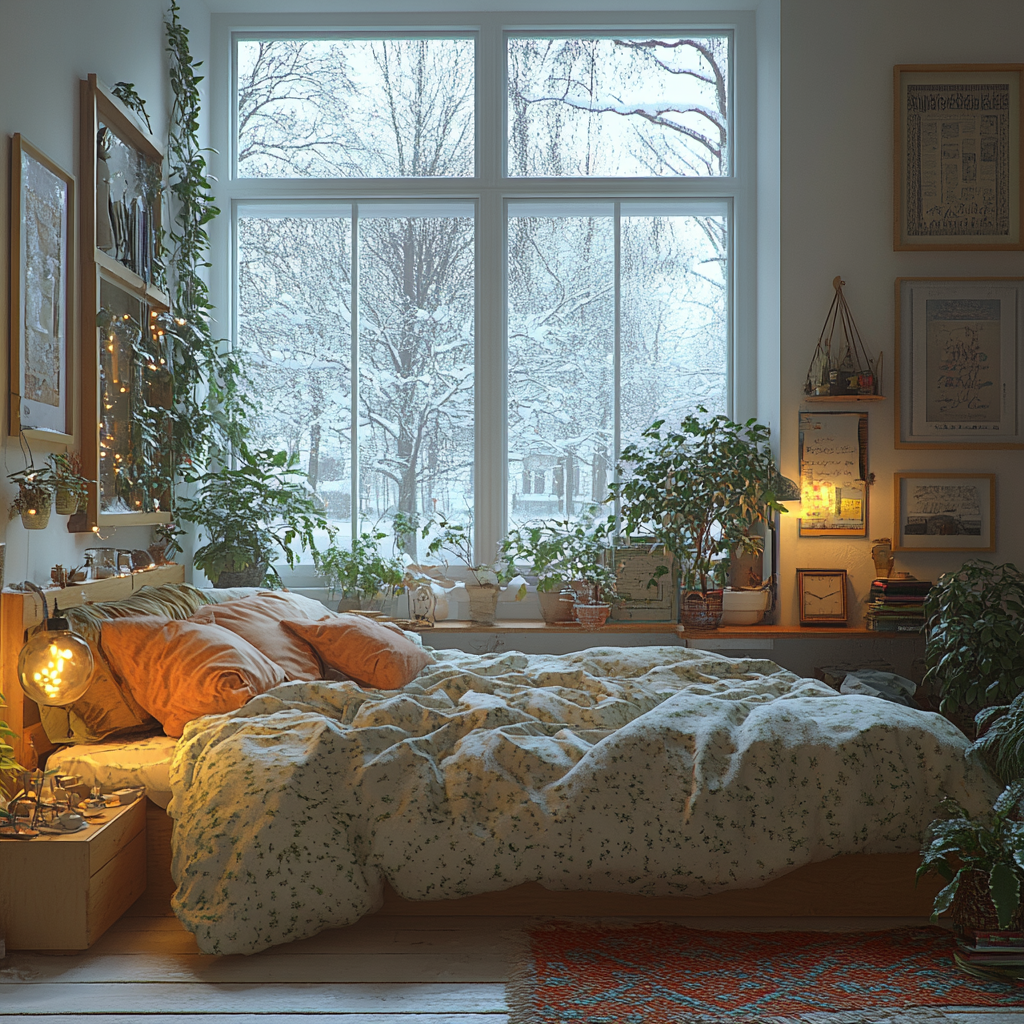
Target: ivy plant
{"x": 698, "y": 490}
{"x": 974, "y": 650}
{"x": 994, "y": 845}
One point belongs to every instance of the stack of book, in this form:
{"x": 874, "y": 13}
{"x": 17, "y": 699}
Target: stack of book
{"x": 991, "y": 954}
{"x": 897, "y": 605}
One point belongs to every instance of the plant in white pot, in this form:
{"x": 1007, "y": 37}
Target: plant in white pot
{"x": 699, "y": 490}
{"x": 485, "y": 581}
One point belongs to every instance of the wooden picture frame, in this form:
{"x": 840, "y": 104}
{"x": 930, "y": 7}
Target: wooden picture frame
{"x": 42, "y": 247}
{"x": 833, "y": 474}
{"x": 825, "y": 604}
{"x": 957, "y": 156}
{"x": 958, "y": 362}
{"x": 944, "y": 512}
{"x": 635, "y": 566}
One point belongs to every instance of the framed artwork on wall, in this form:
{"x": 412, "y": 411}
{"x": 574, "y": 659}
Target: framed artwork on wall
{"x": 958, "y": 362}
{"x": 945, "y": 512}
{"x": 833, "y": 474}
{"x": 41, "y": 317}
{"x": 957, "y": 156}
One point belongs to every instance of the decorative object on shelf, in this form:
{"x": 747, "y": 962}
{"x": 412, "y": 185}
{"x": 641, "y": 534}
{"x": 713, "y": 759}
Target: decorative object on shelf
{"x": 957, "y": 179}
{"x": 896, "y": 604}
{"x": 698, "y": 490}
{"x": 974, "y": 651}
{"x": 822, "y": 596}
{"x": 881, "y": 555}
{"x": 834, "y": 474}
{"x": 59, "y": 576}
{"x": 981, "y": 860}
{"x": 166, "y": 536}
{"x": 42, "y": 259}
{"x": 55, "y": 666}
{"x": 591, "y": 616}
{"x": 959, "y": 380}
{"x": 842, "y": 368}
{"x": 945, "y": 511}
{"x": 247, "y": 510}
{"x": 34, "y": 502}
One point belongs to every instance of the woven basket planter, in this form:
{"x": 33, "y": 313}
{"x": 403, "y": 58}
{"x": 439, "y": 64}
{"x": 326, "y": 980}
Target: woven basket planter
{"x": 250, "y": 576}
{"x": 701, "y": 610}
{"x": 973, "y": 909}
{"x": 36, "y": 505}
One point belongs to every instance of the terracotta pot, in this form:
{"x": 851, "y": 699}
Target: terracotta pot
{"x": 555, "y": 608}
{"x": 483, "y": 602}
{"x": 699, "y": 610}
{"x": 592, "y": 616}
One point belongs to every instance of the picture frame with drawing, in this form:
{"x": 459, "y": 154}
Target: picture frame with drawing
{"x": 41, "y": 307}
{"x": 945, "y": 512}
{"x": 957, "y": 153}
{"x": 959, "y": 380}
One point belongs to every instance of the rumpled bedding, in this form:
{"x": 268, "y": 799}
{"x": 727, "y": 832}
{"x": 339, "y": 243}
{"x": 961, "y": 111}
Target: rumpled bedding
{"x": 648, "y": 770}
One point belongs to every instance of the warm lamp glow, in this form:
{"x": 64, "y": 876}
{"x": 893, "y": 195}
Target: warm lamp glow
{"x": 55, "y": 667}
{"x": 817, "y": 501}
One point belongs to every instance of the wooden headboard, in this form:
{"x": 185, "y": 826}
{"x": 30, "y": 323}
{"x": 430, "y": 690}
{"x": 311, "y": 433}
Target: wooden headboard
{"x": 20, "y": 611}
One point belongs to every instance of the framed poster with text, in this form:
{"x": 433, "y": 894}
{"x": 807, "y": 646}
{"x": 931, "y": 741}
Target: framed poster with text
{"x": 957, "y": 156}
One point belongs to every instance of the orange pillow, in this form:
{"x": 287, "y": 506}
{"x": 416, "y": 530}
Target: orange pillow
{"x": 258, "y": 620}
{"x": 180, "y": 670}
{"x": 371, "y": 653}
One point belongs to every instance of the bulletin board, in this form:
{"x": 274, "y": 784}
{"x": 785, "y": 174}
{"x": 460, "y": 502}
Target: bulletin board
{"x": 833, "y": 474}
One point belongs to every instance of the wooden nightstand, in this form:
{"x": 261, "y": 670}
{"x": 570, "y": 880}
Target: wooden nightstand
{"x": 64, "y": 892}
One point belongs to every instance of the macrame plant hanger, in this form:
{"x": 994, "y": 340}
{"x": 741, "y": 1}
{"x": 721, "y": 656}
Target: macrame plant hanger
{"x": 837, "y": 368}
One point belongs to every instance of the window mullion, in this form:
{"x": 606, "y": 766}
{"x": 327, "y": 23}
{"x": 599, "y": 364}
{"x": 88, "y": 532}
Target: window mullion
{"x": 354, "y": 370}
{"x": 617, "y": 358}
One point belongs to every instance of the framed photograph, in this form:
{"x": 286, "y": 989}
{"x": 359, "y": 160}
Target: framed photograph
{"x": 833, "y": 474}
{"x": 945, "y": 512}
{"x": 958, "y": 353}
{"x": 639, "y": 600}
{"x": 41, "y": 261}
{"x": 822, "y": 594}
{"x": 957, "y": 156}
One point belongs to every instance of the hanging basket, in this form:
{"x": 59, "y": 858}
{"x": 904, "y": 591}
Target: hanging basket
{"x": 66, "y": 502}
{"x": 701, "y": 609}
{"x": 35, "y": 505}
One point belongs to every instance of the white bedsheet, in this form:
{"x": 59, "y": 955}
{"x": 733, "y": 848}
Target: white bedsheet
{"x": 655, "y": 771}
{"x": 120, "y": 763}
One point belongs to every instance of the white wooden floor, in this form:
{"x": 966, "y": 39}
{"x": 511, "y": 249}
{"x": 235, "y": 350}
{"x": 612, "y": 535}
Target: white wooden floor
{"x": 380, "y": 971}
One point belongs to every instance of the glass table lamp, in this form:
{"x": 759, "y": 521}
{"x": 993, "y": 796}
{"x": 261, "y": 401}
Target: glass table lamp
{"x": 55, "y": 665}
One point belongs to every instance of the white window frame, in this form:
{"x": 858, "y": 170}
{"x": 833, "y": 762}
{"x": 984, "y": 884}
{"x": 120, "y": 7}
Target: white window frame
{"x": 491, "y": 191}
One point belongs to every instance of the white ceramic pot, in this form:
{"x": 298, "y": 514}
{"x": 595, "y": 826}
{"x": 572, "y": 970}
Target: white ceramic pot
{"x": 483, "y": 602}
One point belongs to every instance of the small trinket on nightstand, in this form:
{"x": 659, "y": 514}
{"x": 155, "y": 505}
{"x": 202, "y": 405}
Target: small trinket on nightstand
{"x": 59, "y": 576}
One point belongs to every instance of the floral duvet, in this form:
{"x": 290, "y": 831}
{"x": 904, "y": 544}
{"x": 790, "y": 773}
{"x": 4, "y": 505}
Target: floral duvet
{"x": 649, "y": 770}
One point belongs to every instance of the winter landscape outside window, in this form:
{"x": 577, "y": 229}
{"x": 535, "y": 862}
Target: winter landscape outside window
{"x": 461, "y": 284}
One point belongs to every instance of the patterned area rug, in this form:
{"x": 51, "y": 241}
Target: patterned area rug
{"x": 668, "y": 974}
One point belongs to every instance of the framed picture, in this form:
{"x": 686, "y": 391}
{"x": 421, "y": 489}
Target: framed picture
{"x": 41, "y": 261}
{"x": 833, "y": 474}
{"x": 958, "y": 352}
{"x": 957, "y": 156}
{"x": 945, "y": 512}
{"x": 638, "y": 599}
{"x": 822, "y": 595}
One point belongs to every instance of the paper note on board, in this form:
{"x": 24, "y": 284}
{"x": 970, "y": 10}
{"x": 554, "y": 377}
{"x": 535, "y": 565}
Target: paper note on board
{"x": 833, "y": 472}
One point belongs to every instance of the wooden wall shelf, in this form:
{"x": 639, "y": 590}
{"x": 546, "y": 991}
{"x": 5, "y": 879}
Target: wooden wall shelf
{"x": 843, "y": 398}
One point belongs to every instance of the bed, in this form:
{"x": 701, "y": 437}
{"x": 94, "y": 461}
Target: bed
{"x": 638, "y": 781}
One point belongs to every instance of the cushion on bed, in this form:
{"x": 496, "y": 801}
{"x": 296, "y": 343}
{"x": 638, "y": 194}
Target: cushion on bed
{"x": 179, "y": 671}
{"x": 258, "y": 620}
{"x": 375, "y": 654}
{"x": 108, "y": 709}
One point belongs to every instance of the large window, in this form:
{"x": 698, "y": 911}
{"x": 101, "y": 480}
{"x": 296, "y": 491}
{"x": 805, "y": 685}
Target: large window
{"x": 471, "y": 265}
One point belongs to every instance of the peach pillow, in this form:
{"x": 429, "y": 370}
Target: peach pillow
{"x": 181, "y": 670}
{"x": 371, "y": 653}
{"x": 258, "y": 620}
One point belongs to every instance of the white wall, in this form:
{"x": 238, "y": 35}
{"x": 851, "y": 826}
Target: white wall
{"x": 46, "y": 47}
{"x": 837, "y": 104}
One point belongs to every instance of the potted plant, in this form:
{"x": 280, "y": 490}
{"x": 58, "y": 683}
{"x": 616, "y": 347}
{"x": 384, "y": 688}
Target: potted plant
{"x": 974, "y": 646}
{"x": 35, "y": 496}
{"x": 567, "y": 553}
{"x": 247, "y": 510}
{"x": 1000, "y": 742}
{"x": 485, "y": 581}
{"x": 72, "y": 488}
{"x": 362, "y": 574}
{"x": 982, "y": 861}
{"x": 699, "y": 490}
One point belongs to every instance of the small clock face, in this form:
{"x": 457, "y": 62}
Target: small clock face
{"x": 823, "y": 596}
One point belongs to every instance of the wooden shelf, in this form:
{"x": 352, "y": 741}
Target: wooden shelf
{"x": 843, "y": 398}
{"x": 723, "y": 632}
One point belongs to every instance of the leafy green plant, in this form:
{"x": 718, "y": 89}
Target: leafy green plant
{"x": 8, "y": 765}
{"x": 455, "y": 537}
{"x": 66, "y": 468}
{"x": 558, "y": 551}
{"x": 974, "y": 649}
{"x": 361, "y": 571}
{"x": 36, "y": 485}
{"x": 247, "y": 510}
{"x": 698, "y": 490}
{"x": 1000, "y": 742}
{"x": 959, "y": 844}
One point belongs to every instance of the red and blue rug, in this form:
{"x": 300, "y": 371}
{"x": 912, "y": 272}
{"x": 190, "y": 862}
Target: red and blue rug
{"x": 656, "y": 973}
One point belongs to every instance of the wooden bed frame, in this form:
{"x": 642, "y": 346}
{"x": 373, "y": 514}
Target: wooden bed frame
{"x": 875, "y": 885}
